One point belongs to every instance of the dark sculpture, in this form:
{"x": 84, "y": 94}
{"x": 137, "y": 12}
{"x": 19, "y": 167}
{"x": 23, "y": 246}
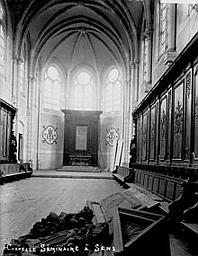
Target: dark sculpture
{"x": 2, "y": 175}
{"x": 132, "y": 151}
{"x": 25, "y": 167}
{"x": 13, "y": 148}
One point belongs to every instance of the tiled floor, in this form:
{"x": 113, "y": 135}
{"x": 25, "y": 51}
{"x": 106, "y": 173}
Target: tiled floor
{"x": 24, "y": 202}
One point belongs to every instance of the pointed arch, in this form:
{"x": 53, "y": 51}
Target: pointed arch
{"x": 83, "y": 88}
{"x": 53, "y": 87}
{"x": 112, "y": 89}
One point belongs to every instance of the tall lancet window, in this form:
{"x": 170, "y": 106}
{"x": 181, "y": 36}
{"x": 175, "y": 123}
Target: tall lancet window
{"x": 2, "y": 42}
{"x": 112, "y": 92}
{"x": 52, "y": 88}
{"x": 163, "y": 27}
{"x": 83, "y": 91}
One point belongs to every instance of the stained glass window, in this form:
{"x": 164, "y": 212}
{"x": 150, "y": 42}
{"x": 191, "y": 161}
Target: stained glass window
{"x": 82, "y": 91}
{"x": 112, "y": 93}
{"x": 52, "y": 88}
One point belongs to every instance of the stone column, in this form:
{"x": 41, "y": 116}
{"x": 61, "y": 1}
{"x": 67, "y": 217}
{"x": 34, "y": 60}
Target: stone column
{"x": 134, "y": 64}
{"x": 148, "y": 38}
{"x": 127, "y": 120}
{"x": 32, "y": 121}
{"x": 19, "y": 63}
{"x": 15, "y": 92}
{"x": 14, "y": 80}
{"x": 171, "y": 34}
{"x": 131, "y": 104}
{"x": 171, "y": 27}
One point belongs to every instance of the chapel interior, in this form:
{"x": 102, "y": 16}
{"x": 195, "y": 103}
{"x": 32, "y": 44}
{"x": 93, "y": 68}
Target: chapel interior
{"x": 100, "y": 98}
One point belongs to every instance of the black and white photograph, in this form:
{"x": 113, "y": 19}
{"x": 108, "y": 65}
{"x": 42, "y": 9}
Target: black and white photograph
{"x": 99, "y": 127}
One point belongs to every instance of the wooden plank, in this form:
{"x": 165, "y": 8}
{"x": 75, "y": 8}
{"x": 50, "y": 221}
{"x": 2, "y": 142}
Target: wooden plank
{"x": 119, "y": 199}
{"x": 192, "y": 226}
{"x": 99, "y": 215}
{"x": 145, "y": 200}
{"x": 117, "y": 232}
{"x": 134, "y": 231}
{"x": 119, "y": 177}
{"x": 139, "y": 213}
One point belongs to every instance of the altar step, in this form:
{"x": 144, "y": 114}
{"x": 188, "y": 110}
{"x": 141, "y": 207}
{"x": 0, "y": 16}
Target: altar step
{"x": 73, "y": 168}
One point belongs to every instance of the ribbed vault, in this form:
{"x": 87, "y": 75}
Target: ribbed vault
{"x": 53, "y": 25}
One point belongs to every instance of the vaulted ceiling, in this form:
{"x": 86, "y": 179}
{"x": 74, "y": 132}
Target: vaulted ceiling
{"x": 78, "y": 30}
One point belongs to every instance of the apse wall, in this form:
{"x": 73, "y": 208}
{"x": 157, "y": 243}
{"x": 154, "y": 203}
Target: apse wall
{"x": 81, "y": 52}
{"x": 51, "y": 134}
{"x": 111, "y": 142}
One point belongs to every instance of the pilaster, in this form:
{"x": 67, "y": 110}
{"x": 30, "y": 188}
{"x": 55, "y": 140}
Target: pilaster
{"x": 148, "y": 36}
{"x": 171, "y": 34}
{"x": 134, "y": 64}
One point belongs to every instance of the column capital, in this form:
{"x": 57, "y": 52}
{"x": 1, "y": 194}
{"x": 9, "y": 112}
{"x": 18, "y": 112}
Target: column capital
{"x": 148, "y": 33}
{"x": 126, "y": 80}
{"x": 17, "y": 59}
{"x": 13, "y": 100}
{"x": 20, "y": 61}
{"x": 147, "y": 86}
{"x": 134, "y": 63}
{"x": 32, "y": 78}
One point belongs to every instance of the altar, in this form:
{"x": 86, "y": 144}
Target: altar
{"x": 81, "y": 133}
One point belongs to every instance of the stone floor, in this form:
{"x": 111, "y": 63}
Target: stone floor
{"x": 72, "y": 174}
{"x": 24, "y": 202}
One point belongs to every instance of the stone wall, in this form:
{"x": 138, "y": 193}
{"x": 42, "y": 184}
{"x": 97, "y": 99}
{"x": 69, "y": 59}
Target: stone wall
{"x": 51, "y": 140}
{"x": 110, "y": 140}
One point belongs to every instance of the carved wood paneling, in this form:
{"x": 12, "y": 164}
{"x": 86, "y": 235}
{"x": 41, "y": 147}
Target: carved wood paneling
{"x": 188, "y": 100}
{"x": 168, "y": 187}
{"x": 152, "y": 132}
{"x": 178, "y": 112}
{"x": 169, "y": 118}
{"x": 157, "y": 132}
{"x": 196, "y": 117}
{"x": 139, "y": 138}
{"x": 168, "y": 128}
{"x": 7, "y": 151}
{"x": 163, "y": 127}
{"x": 144, "y": 136}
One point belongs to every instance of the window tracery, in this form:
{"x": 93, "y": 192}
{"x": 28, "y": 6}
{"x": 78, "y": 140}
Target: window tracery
{"x": 52, "y": 88}
{"x": 192, "y": 7}
{"x": 112, "y": 99}
{"x": 83, "y": 91}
